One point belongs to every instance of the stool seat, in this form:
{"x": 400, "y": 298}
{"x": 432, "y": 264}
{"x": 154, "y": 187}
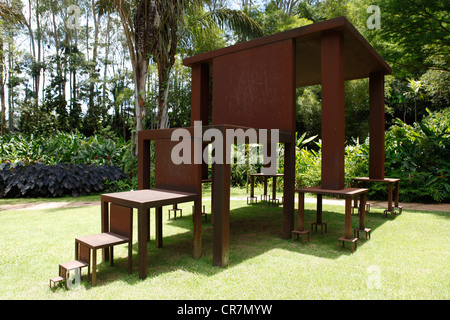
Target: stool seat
{"x": 72, "y": 265}
{"x": 56, "y": 280}
{"x": 343, "y": 240}
{"x": 66, "y": 267}
{"x": 297, "y": 233}
{"x": 358, "y": 230}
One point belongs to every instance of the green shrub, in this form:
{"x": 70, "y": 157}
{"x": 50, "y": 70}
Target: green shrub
{"x": 420, "y": 156}
{"x": 63, "y": 147}
{"x": 39, "y": 180}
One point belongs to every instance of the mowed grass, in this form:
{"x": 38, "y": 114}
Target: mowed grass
{"x": 406, "y": 258}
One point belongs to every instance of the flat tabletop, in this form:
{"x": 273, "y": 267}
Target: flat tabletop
{"x": 377, "y": 180}
{"x": 101, "y": 240}
{"x": 148, "y": 198}
{"x": 340, "y": 192}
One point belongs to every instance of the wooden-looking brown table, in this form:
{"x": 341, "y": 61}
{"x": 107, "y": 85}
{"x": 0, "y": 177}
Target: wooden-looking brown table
{"x": 348, "y": 193}
{"x": 143, "y": 201}
{"x": 265, "y": 177}
{"x": 392, "y": 191}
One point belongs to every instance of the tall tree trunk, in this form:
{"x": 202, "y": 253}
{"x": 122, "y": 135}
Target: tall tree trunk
{"x": 140, "y": 76}
{"x": 39, "y": 58}
{"x": 163, "y": 96}
{"x": 94, "y": 60}
{"x": 2, "y": 89}
{"x": 105, "y": 68}
{"x": 10, "y": 90}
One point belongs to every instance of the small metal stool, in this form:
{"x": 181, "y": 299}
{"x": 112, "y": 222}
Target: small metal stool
{"x": 343, "y": 240}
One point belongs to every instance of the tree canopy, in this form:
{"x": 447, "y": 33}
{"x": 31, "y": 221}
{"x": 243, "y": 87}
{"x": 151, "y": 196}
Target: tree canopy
{"x": 88, "y": 65}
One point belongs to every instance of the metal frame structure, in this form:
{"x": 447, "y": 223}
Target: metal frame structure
{"x": 253, "y": 86}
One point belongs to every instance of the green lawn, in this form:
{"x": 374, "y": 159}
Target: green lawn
{"x": 407, "y": 257}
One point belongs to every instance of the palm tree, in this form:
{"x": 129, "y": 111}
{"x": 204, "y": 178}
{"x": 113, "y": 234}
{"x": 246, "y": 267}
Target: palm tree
{"x": 151, "y": 29}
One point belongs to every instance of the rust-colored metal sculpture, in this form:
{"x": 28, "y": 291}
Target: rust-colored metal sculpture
{"x": 253, "y": 86}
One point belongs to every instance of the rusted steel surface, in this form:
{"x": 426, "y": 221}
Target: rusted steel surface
{"x": 200, "y": 93}
{"x": 376, "y": 126}
{"x": 256, "y": 88}
{"x": 363, "y": 59}
{"x": 253, "y": 86}
{"x": 333, "y": 111}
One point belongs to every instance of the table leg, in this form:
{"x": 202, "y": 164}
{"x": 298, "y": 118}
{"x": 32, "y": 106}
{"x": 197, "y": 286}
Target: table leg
{"x": 319, "y": 221}
{"x": 390, "y": 197}
{"x": 158, "y": 224}
{"x": 252, "y": 186}
{"x": 265, "y": 188}
{"x": 94, "y": 267}
{"x": 148, "y": 224}
{"x": 76, "y": 249}
{"x": 396, "y": 194}
{"x": 362, "y": 211}
{"x": 348, "y": 217}
{"x": 197, "y": 230}
{"x": 105, "y": 226}
{"x": 252, "y": 193}
{"x": 301, "y": 215}
{"x": 301, "y": 211}
{"x": 274, "y": 189}
{"x": 319, "y": 210}
{"x": 143, "y": 226}
{"x": 221, "y": 238}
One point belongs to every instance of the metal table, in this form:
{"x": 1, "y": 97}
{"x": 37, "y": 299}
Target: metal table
{"x": 392, "y": 191}
{"x": 143, "y": 200}
{"x": 265, "y": 178}
{"x": 348, "y": 193}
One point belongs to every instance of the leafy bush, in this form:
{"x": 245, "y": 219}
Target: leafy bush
{"x": 63, "y": 147}
{"x": 419, "y": 155}
{"x": 39, "y": 180}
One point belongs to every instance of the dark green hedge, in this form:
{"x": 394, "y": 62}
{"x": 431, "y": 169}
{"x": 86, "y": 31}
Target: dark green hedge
{"x": 39, "y": 180}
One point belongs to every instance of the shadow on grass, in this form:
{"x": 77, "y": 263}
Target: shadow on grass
{"x": 254, "y": 230}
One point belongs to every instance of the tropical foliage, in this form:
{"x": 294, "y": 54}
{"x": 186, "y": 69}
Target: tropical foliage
{"x": 69, "y": 69}
{"x": 417, "y": 154}
{"x": 42, "y": 181}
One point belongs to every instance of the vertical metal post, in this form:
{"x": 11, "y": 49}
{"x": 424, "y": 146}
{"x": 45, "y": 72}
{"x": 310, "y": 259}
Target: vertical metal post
{"x": 333, "y": 110}
{"x": 221, "y": 181}
{"x": 158, "y": 226}
{"x": 200, "y": 93}
{"x": 376, "y": 126}
{"x": 288, "y": 189}
{"x": 301, "y": 211}
{"x": 143, "y": 226}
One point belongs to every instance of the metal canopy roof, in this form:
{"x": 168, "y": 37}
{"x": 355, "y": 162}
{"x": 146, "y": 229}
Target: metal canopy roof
{"x": 360, "y": 58}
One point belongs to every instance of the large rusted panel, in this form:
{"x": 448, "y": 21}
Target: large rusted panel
{"x": 333, "y": 111}
{"x": 168, "y": 175}
{"x": 254, "y": 88}
{"x": 361, "y": 58}
{"x": 121, "y": 220}
{"x": 200, "y": 93}
{"x": 376, "y": 126}
{"x": 143, "y": 162}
